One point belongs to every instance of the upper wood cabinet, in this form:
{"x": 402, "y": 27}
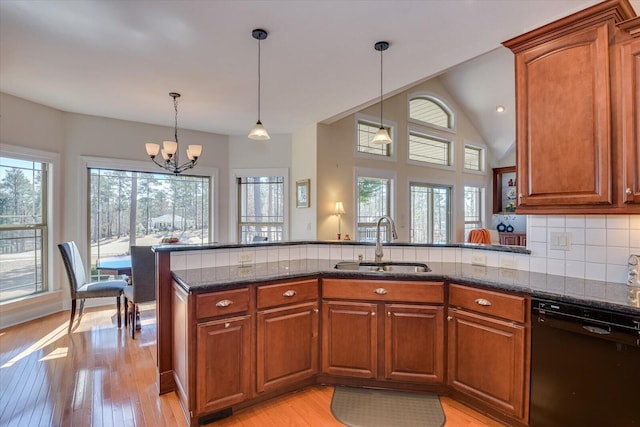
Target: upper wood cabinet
{"x": 569, "y": 119}
{"x": 628, "y": 57}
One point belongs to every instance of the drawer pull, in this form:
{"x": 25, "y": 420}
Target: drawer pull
{"x": 373, "y": 313}
{"x": 449, "y": 317}
{"x": 226, "y": 325}
{"x": 381, "y": 291}
{"x": 315, "y": 310}
{"x": 483, "y": 302}
{"x": 224, "y": 303}
{"x": 290, "y": 293}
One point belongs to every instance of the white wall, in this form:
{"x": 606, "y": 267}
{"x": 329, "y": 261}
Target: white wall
{"x": 304, "y": 166}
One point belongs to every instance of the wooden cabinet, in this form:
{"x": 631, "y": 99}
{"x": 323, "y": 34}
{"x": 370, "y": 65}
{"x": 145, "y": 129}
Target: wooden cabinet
{"x": 628, "y": 56}
{"x": 350, "y": 339}
{"x": 377, "y": 325}
{"x": 223, "y": 363}
{"x": 567, "y": 151}
{"x": 488, "y": 349}
{"x": 287, "y": 334}
{"x": 513, "y": 239}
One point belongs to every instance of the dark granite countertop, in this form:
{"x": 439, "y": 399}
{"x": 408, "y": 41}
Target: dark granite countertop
{"x": 177, "y": 247}
{"x": 615, "y": 296}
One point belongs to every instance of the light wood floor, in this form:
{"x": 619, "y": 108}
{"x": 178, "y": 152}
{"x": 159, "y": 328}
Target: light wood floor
{"x": 98, "y": 376}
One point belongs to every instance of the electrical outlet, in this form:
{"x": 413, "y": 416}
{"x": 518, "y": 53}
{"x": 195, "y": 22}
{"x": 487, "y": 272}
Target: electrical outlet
{"x": 478, "y": 259}
{"x": 245, "y": 257}
{"x": 560, "y": 241}
{"x": 509, "y": 263}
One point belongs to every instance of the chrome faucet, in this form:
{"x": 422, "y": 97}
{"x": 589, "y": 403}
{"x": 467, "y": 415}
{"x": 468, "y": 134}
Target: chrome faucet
{"x": 394, "y": 236}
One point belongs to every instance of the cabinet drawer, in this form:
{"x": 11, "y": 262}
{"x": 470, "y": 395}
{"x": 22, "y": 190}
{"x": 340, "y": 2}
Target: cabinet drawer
{"x": 498, "y": 304}
{"x": 287, "y": 293}
{"x": 222, "y": 303}
{"x": 383, "y": 290}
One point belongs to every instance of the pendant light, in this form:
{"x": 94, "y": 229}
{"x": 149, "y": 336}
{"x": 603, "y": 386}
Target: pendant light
{"x": 170, "y": 148}
{"x": 382, "y": 136}
{"x": 259, "y": 132}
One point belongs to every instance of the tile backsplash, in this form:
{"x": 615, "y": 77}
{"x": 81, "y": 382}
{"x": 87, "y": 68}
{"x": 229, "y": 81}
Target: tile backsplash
{"x": 599, "y": 245}
{"x": 597, "y": 248}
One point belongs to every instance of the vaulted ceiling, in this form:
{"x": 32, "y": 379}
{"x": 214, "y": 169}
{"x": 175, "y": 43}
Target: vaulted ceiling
{"x": 120, "y": 59}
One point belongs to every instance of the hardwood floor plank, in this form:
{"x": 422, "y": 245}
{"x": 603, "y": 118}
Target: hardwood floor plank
{"x": 99, "y": 376}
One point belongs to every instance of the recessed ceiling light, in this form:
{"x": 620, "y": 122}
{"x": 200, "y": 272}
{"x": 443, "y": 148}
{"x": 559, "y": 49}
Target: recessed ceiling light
{"x": 500, "y": 109}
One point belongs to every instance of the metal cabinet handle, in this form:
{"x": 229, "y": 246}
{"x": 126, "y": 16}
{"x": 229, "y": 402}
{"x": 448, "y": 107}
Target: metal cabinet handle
{"x": 483, "y": 302}
{"x": 388, "y": 314}
{"x": 224, "y": 303}
{"x": 315, "y": 310}
{"x": 226, "y": 325}
{"x": 373, "y": 313}
{"x": 381, "y": 291}
{"x": 290, "y": 293}
{"x": 449, "y": 317}
{"x": 628, "y": 191}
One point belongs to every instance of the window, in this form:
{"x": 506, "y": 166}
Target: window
{"x": 364, "y": 144}
{"x": 473, "y": 208}
{"x": 261, "y": 208}
{"x": 430, "y": 213}
{"x": 431, "y": 111}
{"x": 374, "y": 201}
{"x": 473, "y": 158}
{"x": 23, "y": 227}
{"x": 141, "y": 208}
{"x": 429, "y": 149}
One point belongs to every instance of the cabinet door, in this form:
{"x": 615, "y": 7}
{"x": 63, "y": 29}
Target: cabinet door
{"x": 486, "y": 360}
{"x": 287, "y": 345}
{"x": 414, "y": 343}
{"x": 349, "y": 339}
{"x": 223, "y": 363}
{"x": 630, "y": 94}
{"x": 563, "y": 121}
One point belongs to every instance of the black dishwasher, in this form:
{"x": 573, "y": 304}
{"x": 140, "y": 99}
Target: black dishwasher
{"x": 585, "y": 366}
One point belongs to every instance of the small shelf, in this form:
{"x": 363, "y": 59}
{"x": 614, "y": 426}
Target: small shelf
{"x": 504, "y": 190}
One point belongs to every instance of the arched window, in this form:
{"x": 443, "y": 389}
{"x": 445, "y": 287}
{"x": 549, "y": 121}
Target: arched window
{"x": 430, "y": 110}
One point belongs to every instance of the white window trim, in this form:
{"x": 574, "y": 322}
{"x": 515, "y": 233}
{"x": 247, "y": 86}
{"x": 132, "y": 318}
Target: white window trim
{"x": 374, "y": 173}
{"x": 438, "y": 183}
{"x": 483, "y": 158}
{"x": 428, "y": 133}
{"x": 445, "y": 103}
{"x": 233, "y": 190}
{"x": 484, "y": 210}
{"x": 54, "y": 275}
{"x": 138, "y": 166}
{"x": 393, "y": 126}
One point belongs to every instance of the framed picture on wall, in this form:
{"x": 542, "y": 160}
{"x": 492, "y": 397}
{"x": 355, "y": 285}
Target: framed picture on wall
{"x": 302, "y": 193}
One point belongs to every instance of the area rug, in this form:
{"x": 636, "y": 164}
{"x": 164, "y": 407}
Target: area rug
{"x": 361, "y": 407}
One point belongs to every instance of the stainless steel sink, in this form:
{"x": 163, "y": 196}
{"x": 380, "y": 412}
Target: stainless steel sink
{"x": 384, "y": 267}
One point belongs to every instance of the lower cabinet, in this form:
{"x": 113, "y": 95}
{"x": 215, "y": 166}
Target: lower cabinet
{"x": 287, "y": 345}
{"x": 488, "y": 350}
{"x": 361, "y": 337}
{"x": 350, "y": 339}
{"x": 223, "y": 363}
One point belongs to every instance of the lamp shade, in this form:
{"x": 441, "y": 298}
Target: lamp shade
{"x": 152, "y": 149}
{"x": 339, "y": 209}
{"x": 170, "y": 147}
{"x": 382, "y": 137}
{"x": 259, "y": 132}
{"x": 194, "y": 151}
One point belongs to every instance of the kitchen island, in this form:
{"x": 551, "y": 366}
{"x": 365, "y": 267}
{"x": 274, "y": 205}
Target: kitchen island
{"x": 223, "y": 332}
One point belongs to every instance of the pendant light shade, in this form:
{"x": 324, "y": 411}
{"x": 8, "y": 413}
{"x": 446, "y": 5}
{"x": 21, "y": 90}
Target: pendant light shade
{"x": 382, "y": 136}
{"x": 169, "y": 150}
{"x": 258, "y": 132}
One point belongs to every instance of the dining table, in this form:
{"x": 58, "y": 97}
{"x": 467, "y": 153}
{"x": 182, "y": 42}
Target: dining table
{"x": 116, "y": 265}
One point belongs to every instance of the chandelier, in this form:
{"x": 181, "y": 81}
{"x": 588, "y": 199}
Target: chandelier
{"x": 169, "y": 149}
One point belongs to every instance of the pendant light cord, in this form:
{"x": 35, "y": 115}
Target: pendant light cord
{"x": 259, "y": 80}
{"x": 381, "y": 50}
{"x": 175, "y": 107}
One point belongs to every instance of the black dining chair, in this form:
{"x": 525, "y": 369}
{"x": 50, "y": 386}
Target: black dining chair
{"x": 143, "y": 285}
{"x": 80, "y": 288}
